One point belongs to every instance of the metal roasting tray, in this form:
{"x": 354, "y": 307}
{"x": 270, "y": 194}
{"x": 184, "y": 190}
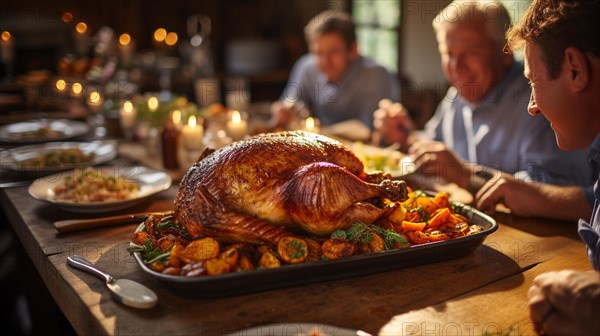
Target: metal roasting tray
{"x": 292, "y": 275}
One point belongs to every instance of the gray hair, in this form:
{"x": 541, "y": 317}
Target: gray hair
{"x": 489, "y": 13}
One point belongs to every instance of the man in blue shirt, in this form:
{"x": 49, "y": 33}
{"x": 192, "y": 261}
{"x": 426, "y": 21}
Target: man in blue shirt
{"x": 562, "y": 62}
{"x": 334, "y": 80}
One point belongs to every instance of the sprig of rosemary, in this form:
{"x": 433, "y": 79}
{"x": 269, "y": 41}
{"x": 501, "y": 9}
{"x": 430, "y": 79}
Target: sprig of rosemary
{"x": 363, "y": 233}
{"x": 149, "y": 253}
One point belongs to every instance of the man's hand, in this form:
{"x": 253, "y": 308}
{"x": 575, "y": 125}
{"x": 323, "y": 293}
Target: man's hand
{"x": 565, "y": 303}
{"x": 522, "y": 198}
{"x": 283, "y": 113}
{"x": 391, "y": 124}
{"x": 435, "y": 158}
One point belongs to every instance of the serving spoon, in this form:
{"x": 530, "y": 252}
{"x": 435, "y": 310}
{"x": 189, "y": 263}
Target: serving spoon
{"x": 127, "y": 292}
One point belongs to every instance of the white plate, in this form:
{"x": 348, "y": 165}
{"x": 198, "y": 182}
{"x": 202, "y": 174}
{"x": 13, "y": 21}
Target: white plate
{"x": 389, "y": 159}
{"x": 298, "y": 329}
{"x": 103, "y": 151}
{"x": 150, "y": 182}
{"x": 353, "y": 130}
{"x": 65, "y": 129}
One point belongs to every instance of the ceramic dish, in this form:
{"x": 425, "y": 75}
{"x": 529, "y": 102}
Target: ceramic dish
{"x": 388, "y": 159}
{"x": 16, "y": 158}
{"x": 290, "y": 275}
{"x": 42, "y": 131}
{"x": 297, "y": 329}
{"x": 149, "y": 181}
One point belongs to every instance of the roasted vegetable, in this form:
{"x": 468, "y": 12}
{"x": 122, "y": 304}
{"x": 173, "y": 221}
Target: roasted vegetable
{"x": 268, "y": 260}
{"x": 201, "y": 249}
{"x": 216, "y": 266}
{"x": 338, "y": 248}
{"x": 292, "y": 250}
{"x": 314, "y": 250}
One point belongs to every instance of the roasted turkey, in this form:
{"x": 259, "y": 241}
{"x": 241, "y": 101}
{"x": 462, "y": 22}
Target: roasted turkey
{"x": 270, "y": 186}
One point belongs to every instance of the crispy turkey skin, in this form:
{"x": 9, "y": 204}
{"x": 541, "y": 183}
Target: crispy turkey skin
{"x": 259, "y": 189}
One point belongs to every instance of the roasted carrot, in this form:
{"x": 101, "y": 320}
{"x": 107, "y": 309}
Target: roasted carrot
{"x": 412, "y": 226}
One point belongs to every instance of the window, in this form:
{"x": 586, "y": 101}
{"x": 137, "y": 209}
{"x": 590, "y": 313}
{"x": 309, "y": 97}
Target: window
{"x": 377, "y": 29}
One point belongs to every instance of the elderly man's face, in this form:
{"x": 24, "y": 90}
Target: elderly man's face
{"x": 472, "y": 62}
{"x": 333, "y": 55}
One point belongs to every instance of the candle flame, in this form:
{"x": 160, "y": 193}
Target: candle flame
{"x": 6, "y": 36}
{"x": 310, "y": 123}
{"x": 124, "y": 39}
{"x": 95, "y": 97}
{"x": 160, "y": 34}
{"x": 153, "y": 103}
{"x": 176, "y": 117}
{"x": 76, "y": 88}
{"x": 171, "y": 39}
{"x": 127, "y": 107}
{"x": 192, "y": 122}
{"x": 61, "y": 85}
{"x": 236, "y": 118}
{"x": 81, "y": 27}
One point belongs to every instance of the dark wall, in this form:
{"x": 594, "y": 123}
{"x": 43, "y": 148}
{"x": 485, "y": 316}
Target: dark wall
{"x": 42, "y": 37}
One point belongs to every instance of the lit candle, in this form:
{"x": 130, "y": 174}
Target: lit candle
{"x": 153, "y": 103}
{"x": 311, "y": 125}
{"x": 7, "y": 47}
{"x": 61, "y": 87}
{"x": 76, "y": 90}
{"x": 95, "y": 101}
{"x": 159, "y": 37}
{"x": 192, "y": 134}
{"x": 171, "y": 39}
{"x": 237, "y": 127}
{"x": 176, "y": 116}
{"x": 126, "y": 49}
{"x": 80, "y": 36}
{"x": 127, "y": 115}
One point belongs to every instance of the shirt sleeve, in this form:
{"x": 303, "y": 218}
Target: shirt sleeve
{"x": 297, "y": 88}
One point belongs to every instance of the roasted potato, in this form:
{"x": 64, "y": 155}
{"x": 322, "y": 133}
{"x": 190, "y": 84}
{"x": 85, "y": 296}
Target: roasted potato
{"x": 376, "y": 244}
{"x": 338, "y": 248}
{"x": 314, "y": 250}
{"x": 216, "y": 266}
{"x": 201, "y": 249}
{"x": 269, "y": 260}
{"x": 243, "y": 264}
{"x": 166, "y": 243}
{"x": 230, "y": 255}
{"x": 292, "y": 250}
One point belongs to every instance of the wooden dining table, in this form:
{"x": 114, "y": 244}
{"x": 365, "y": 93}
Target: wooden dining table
{"x": 483, "y": 292}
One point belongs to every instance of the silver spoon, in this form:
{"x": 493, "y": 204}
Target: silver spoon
{"x": 127, "y": 292}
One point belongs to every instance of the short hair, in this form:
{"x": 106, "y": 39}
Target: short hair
{"x": 488, "y": 13}
{"x": 331, "y": 21}
{"x": 555, "y": 25}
